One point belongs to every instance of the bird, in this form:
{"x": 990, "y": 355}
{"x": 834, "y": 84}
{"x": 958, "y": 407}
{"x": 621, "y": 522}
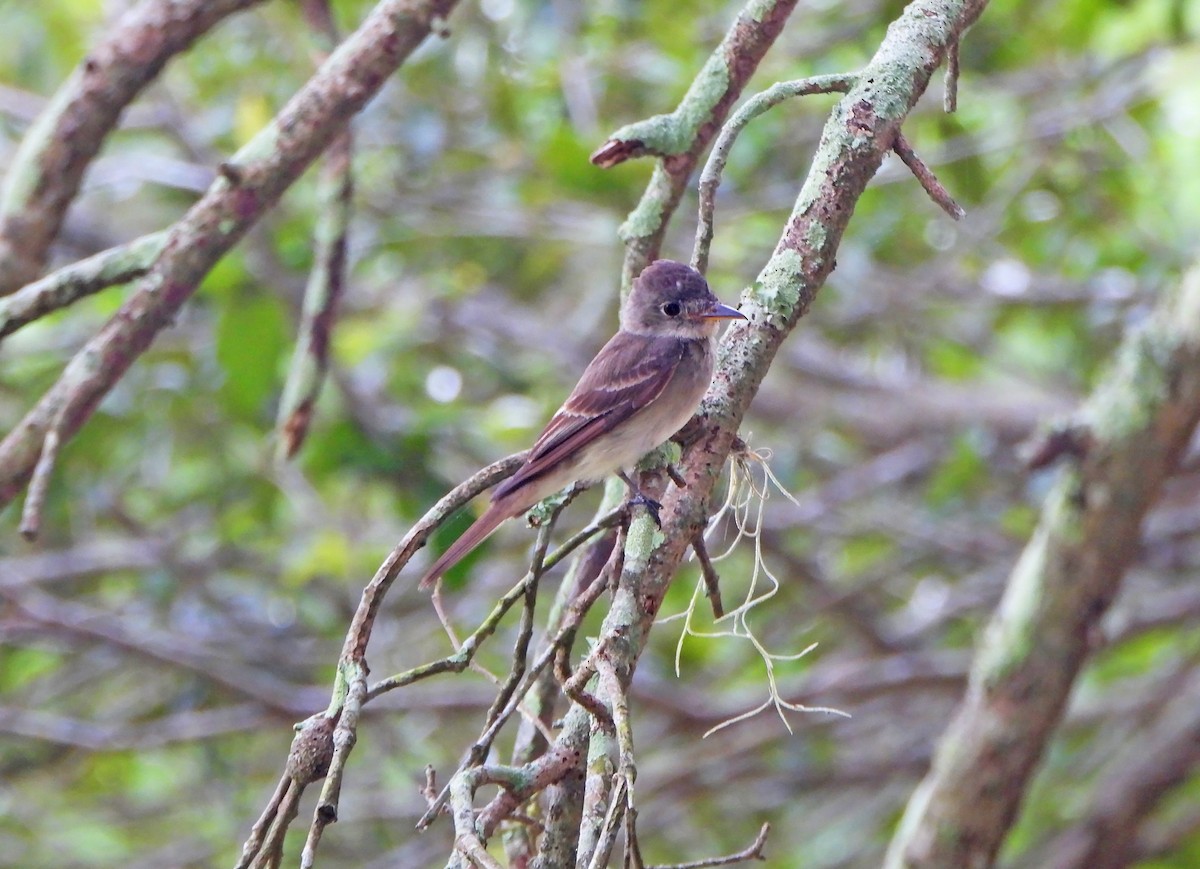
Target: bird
{"x": 639, "y": 390}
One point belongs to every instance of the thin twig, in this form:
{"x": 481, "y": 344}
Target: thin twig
{"x": 257, "y": 839}
{"x": 271, "y": 852}
{"x": 556, "y": 842}
{"x": 612, "y": 824}
{"x": 327, "y": 280}
{"x": 712, "y": 581}
{"x": 950, "y": 97}
{"x": 520, "y": 656}
{"x": 574, "y": 617}
{"x": 633, "y": 846}
{"x": 359, "y": 633}
{"x": 761, "y": 102}
{"x": 465, "y": 651}
{"x": 117, "y": 265}
{"x": 613, "y": 685}
{"x": 753, "y": 852}
{"x": 928, "y": 180}
{"x": 39, "y": 484}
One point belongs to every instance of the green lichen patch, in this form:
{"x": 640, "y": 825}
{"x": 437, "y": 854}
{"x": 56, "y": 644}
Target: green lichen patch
{"x": 644, "y": 537}
{"x": 777, "y": 290}
{"x": 660, "y": 457}
{"x": 709, "y": 87}
{"x": 647, "y": 218}
{"x": 1131, "y": 395}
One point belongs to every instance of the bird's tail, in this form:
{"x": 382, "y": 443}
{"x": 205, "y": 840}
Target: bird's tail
{"x": 480, "y": 529}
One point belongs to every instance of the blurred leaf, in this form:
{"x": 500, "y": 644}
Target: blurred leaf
{"x": 952, "y": 360}
{"x": 862, "y": 552}
{"x": 20, "y": 667}
{"x": 251, "y": 336}
{"x": 962, "y": 471}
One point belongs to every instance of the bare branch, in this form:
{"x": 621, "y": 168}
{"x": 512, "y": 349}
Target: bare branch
{"x": 266, "y": 167}
{"x": 753, "y": 852}
{"x": 327, "y": 280}
{"x": 710, "y": 178}
{"x": 937, "y": 192}
{"x": 45, "y": 173}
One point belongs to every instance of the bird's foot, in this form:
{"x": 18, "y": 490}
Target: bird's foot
{"x": 652, "y": 506}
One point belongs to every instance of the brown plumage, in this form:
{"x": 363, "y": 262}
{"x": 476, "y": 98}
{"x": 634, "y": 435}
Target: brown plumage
{"x": 641, "y": 388}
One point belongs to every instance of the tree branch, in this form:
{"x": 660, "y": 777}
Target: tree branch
{"x": 714, "y": 167}
{"x": 258, "y": 176}
{"x": 71, "y": 283}
{"x": 46, "y": 171}
{"x": 1141, "y": 418}
{"x": 327, "y": 280}
{"x": 679, "y": 138}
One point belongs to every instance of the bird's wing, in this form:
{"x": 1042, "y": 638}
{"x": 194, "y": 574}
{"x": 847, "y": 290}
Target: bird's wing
{"x": 628, "y": 374}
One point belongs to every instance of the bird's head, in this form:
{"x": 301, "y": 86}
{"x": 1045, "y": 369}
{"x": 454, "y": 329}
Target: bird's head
{"x": 673, "y": 299}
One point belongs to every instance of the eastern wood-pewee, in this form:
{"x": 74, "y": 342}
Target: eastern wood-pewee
{"x": 641, "y": 388}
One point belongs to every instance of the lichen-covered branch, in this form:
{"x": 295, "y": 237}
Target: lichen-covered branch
{"x": 563, "y": 800}
{"x": 45, "y": 173}
{"x": 1140, "y": 419}
{"x": 714, "y": 167}
{"x": 66, "y": 286}
{"x": 248, "y": 186}
{"x": 679, "y": 138}
{"x": 579, "y": 608}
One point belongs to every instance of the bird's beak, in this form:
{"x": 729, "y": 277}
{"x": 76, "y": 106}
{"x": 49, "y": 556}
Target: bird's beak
{"x": 722, "y": 312}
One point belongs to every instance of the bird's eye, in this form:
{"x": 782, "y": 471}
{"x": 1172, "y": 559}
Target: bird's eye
{"x": 671, "y": 309}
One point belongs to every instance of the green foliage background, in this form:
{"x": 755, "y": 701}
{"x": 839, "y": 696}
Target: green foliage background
{"x": 200, "y": 592}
